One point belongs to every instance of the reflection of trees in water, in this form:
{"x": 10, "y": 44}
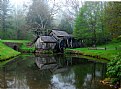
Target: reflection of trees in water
{"x": 63, "y": 80}
{"x": 12, "y": 80}
{"x": 3, "y": 82}
{"x": 88, "y": 75}
{"x": 14, "y": 74}
{"x": 58, "y": 71}
{"x": 38, "y": 79}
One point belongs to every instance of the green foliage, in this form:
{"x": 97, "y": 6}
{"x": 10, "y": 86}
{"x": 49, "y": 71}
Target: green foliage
{"x": 98, "y": 22}
{"x": 113, "y": 18}
{"x": 115, "y": 40}
{"x": 25, "y": 48}
{"x": 114, "y": 68}
{"x": 80, "y": 24}
{"x": 89, "y": 24}
{"x": 65, "y": 26}
{"x": 119, "y": 38}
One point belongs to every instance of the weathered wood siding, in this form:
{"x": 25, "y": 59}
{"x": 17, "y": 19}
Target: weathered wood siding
{"x": 44, "y": 45}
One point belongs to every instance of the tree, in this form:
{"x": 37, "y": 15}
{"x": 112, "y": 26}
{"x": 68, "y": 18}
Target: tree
{"x": 19, "y": 25}
{"x": 67, "y": 9}
{"x": 71, "y": 8}
{"x": 65, "y": 25}
{"x": 113, "y": 18}
{"x": 39, "y": 17}
{"x": 89, "y": 23}
{"x": 16, "y": 23}
{"x": 80, "y": 24}
{"x": 0, "y": 14}
{"x": 19, "y": 22}
{"x": 4, "y": 9}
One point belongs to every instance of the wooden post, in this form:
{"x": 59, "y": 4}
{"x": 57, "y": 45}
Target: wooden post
{"x": 71, "y": 43}
{"x": 105, "y": 48}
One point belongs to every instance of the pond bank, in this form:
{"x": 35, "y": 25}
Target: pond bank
{"x": 7, "y": 48}
{"x": 85, "y": 54}
{"x": 109, "y": 53}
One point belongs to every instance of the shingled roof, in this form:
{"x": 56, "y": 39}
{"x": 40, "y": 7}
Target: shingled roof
{"x": 60, "y": 33}
{"x": 48, "y": 39}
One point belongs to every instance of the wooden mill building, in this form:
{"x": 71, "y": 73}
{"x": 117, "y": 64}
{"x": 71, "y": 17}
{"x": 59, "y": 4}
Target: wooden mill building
{"x": 56, "y": 39}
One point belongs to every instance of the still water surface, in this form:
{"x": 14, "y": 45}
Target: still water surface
{"x": 52, "y": 72}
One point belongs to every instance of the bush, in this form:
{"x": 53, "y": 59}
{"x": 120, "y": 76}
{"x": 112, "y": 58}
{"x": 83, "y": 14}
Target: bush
{"x": 114, "y": 69}
{"x": 26, "y": 49}
{"x": 119, "y": 38}
{"x": 116, "y": 40}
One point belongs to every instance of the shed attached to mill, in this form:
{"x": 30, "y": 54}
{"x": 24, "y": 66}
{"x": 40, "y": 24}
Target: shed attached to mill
{"x": 45, "y": 42}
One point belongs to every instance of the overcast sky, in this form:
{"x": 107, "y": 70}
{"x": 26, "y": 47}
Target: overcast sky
{"x": 21, "y": 2}
{"x": 25, "y": 1}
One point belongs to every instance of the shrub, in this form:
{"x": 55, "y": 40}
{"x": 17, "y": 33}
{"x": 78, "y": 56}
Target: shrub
{"x": 119, "y": 38}
{"x": 114, "y": 69}
{"x": 25, "y": 48}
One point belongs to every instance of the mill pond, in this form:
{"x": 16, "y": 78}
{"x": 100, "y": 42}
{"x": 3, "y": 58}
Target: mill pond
{"x": 52, "y": 72}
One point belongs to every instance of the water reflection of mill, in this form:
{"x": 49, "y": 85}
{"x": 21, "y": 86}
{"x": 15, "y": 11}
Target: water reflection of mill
{"x": 51, "y": 64}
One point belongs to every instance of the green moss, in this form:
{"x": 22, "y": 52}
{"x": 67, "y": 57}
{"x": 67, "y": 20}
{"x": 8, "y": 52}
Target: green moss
{"x": 6, "y": 52}
{"x": 47, "y": 52}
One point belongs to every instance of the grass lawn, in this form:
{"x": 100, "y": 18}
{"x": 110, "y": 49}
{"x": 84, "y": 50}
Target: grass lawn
{"x": 7, "y": 52}
{"x": 16, "y": 41}
{"x": 24, "y": 47}
{"x": 109, "y": 53}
